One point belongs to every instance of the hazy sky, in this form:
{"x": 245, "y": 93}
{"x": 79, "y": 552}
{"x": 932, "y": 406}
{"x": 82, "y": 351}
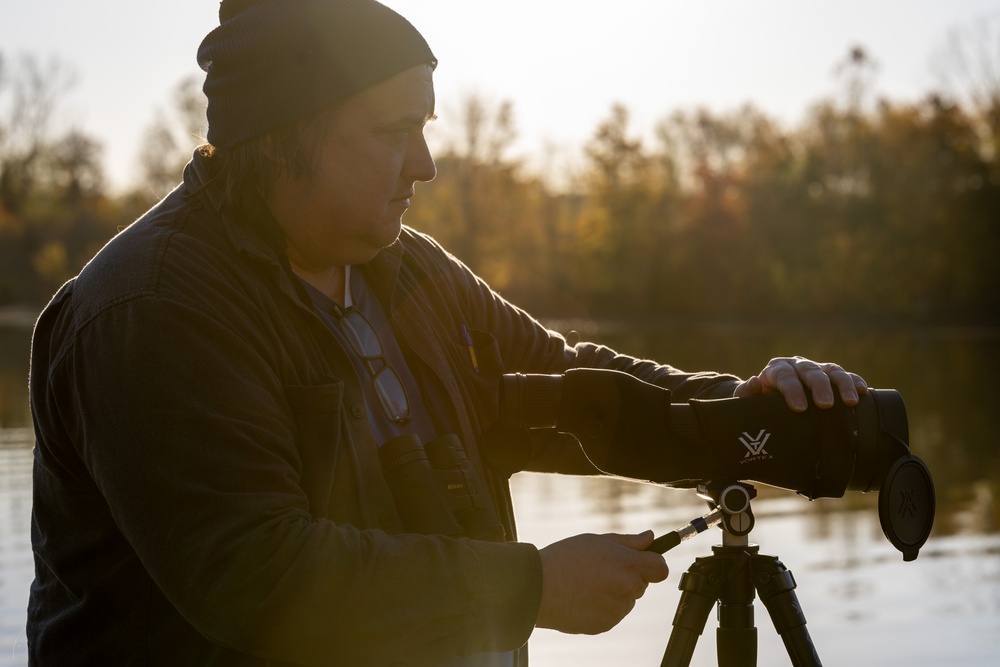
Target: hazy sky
{"x": 563, "y": 63}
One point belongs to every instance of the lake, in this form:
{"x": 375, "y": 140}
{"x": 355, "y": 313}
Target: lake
{"x": 864, "y": 605}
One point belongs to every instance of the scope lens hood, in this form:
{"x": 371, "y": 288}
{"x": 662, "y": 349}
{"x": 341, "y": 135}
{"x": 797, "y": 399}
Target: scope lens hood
{"x": 906, "y": 505}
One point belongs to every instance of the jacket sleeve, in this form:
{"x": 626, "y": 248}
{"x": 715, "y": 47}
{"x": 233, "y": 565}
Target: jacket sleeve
{"x": 527, "y": 346}
{"x": 183, "y": 423}
{"x": 524, "y": 345}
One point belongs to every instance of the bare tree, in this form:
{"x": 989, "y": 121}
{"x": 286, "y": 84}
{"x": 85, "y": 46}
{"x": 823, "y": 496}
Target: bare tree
{"x": 479, "y": 172}
{"x": 172, "y": 136}
{"x": 857, "y": 73}
{"x": 968, "y": 67}
{"x": 75, "y": 167}
{"x": 29, "y": 96}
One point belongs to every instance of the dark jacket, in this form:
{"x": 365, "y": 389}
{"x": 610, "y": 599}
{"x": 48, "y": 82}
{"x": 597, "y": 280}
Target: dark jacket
{"x": 206, "y": 487}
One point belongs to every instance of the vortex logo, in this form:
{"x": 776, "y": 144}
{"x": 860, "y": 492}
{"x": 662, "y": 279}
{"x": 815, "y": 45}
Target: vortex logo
{"x": 907, "y": 506}
{"x": 755, "y": 446}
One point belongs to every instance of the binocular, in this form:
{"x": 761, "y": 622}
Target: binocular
{"x": 437, "y": 490}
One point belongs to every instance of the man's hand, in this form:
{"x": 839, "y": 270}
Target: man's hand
{"x": 590, "y": 582}
{"x": 793, "y": 376}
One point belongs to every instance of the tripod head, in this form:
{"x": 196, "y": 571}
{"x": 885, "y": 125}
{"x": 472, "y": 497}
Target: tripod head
{"x": 733, "y": 499}
{"x": 730, "y": 503}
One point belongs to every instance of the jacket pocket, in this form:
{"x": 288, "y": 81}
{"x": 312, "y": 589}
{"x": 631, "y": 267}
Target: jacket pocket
{"x": 487, "y": 360}
{"x": 317, "y": 410}
{"x": 484, "y": 367}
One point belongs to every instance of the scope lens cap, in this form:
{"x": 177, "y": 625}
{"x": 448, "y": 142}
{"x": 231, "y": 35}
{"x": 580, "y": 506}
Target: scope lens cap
{"x": 906, "y": 505}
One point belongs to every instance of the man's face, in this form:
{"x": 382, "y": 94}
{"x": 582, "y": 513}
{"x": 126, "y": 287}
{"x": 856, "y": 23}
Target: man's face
{"x": 370, "y": 157}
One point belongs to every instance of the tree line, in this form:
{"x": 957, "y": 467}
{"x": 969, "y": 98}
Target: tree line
{"x": 869, "y": 209}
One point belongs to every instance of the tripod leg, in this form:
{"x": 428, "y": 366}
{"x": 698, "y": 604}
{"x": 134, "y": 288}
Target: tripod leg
{"x": 776, "y": 587}
{"x": 700, "y": 587}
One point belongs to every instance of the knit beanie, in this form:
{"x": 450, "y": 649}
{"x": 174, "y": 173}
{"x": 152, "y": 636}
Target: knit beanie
{"x": 271, "y": 62}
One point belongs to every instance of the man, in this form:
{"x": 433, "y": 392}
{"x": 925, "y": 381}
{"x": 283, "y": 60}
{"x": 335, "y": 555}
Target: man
{"x": 214, "y": 394}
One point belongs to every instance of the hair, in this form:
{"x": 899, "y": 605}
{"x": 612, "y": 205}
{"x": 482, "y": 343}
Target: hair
{"x": 246, "y": 171}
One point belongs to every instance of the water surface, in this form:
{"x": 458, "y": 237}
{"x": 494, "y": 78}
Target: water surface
{"x": 864, "y": 605}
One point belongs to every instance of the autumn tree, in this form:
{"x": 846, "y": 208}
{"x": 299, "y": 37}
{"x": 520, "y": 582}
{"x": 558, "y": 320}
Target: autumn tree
{"x": 629, "y": 222}
{"x": 482, "y": 205}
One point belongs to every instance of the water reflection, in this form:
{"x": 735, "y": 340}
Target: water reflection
{"x": 948, "y": 380}
{"x": 14, "y": 352}
{"x": 16, "y": 568}
{"x": 864, "y": 605}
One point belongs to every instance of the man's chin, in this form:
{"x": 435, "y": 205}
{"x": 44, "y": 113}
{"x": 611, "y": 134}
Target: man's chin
{"x": 393, "y": 229}
{"x": 387, "y": 235}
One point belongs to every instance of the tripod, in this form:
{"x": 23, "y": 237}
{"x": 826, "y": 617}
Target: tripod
{"x": 731, "y": 576}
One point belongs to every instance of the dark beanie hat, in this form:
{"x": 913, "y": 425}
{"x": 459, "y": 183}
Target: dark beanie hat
{"x": 272, "y": 61}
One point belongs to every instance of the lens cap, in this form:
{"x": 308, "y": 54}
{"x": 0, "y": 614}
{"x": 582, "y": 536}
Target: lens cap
{"x": 906, "y": 505}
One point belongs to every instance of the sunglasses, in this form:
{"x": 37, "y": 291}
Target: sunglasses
{"x": 365, "y": 343}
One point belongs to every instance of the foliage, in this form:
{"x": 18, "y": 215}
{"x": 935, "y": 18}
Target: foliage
{"x": 870, "y": 210}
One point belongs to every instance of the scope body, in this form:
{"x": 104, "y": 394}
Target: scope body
{"x": 631, "y": 428}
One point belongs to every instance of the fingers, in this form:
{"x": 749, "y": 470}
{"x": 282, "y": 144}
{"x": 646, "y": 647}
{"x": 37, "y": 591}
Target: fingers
{"x": 638, "y": 541}
{"x": 652, "y": 566}
{"x": 648, "y": 565}
{"x": 749, "y": 387}
{"x": 591, "y": 582}
{"x": 825, "y": 379}
{"x": 792, "y": 376}
{"x": 848, "y": 385}
{"x": 796, "y": 378}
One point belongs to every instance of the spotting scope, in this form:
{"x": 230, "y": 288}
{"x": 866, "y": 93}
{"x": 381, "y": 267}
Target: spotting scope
{"x": 630, "y": 428}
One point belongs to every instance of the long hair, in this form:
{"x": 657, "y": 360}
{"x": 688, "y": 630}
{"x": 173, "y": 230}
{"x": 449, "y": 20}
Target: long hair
{"x": 246, "y": 171}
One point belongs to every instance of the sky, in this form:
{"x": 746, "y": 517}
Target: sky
{"x": 561, "y": 63}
